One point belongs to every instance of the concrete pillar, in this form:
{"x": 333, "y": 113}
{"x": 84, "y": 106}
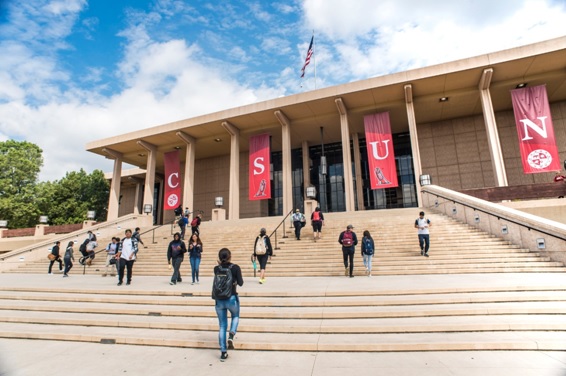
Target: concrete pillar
{"x": 234, "y": 189}
{"x": 148, "y": 198}
{"x": 114, "y": 199}
{"x": 346, "y": 156}
{"x": 189, "y": 181}
{"x": 358, "y": 172}
{"x": 491, "y": 129}
{"x": 417, "y": 168}
{"x": 137, "y": 193}
{"x": 286, "y": 157}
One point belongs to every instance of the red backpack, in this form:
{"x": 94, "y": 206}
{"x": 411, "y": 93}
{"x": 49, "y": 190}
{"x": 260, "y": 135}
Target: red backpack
{"x": 194, "y": 222}
{"x": 347, "y": 239}
{"x": 316, "y": 216}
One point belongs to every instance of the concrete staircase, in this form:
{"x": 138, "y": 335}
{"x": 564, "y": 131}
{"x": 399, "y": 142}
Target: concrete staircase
{"x": 455, "y": 248}
{"x": 475, "y": 292}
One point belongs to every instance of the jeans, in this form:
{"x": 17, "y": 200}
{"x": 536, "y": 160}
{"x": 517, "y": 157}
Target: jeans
{"x": 222, "y": 308}
{"x": 195, "y": 263}
{"x": 176, "y": 263}
{"x": 424, "y": 240}
{"x": 128, "y": 264}
{"x": 183, "y": 228}
{"x": 298, "y": 228}
{"x": 68, "y": 265}
{"x": 348, "y": 255}
{"x": 58, "y": 259}
{"x": 367, "y": 261}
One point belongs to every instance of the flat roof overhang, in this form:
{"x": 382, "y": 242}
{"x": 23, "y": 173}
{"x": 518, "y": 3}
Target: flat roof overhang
{"x": 536, "y": 64}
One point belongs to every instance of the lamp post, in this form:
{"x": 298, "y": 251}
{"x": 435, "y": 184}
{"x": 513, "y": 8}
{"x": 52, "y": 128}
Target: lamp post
{"x": 43, "y": 219}
{"x": 3, "y": 223}
{"x": 91, "y": 214}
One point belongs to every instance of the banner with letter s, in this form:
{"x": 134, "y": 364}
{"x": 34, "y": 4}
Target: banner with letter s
{"x": 381, "y": 157}
{"x": 172, "y": 193}
{"x": 260, "y": 184}
{"x": 536, "y": 132}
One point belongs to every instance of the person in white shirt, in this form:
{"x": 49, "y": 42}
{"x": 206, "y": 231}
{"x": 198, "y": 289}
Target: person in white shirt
{"x": 422, "y": 225}
{"x": 298, "y": 222}
{"x": 126, "y": 255}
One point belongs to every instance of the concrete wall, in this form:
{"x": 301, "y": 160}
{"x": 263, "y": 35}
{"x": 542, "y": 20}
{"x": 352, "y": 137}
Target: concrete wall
{"x": 517, "y": 227}
{"x": 454, "y": 152}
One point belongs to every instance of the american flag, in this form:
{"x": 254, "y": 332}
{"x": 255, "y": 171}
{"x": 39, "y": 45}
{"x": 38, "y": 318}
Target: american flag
{"x": 308, "y": 59}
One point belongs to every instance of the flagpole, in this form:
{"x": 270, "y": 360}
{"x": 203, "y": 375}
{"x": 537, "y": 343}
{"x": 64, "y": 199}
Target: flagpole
{"x": 314, "y": 57}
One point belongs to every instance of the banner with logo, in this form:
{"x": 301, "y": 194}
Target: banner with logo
{"x": 381, "y": 157}
{"x": 172, "y": 193}
{"x": 536, "y": 132}
{"x": 260, "y": 184}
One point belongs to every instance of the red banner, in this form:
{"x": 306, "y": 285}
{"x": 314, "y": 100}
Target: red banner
{"x": 381, "y": 157}
{"x": 260, "y": 184}
{"x": 535, "y": 130}
{"x": 172, "y": 196}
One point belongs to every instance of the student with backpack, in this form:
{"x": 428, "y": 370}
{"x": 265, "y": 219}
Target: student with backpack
{"x": 183, "y": 222}
{"x": 422, "y": 224}
{"x": 195, "y": 223}
{"x": 262, "y": 251}
{"x": 368, "y": 248}
{"x": 349, "y": 240}
{"x": 317, "y": 221}
{"x": 227, "y": 277}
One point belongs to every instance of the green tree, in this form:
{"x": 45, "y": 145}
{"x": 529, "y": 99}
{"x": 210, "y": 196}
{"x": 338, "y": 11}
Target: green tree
{"x": 20, "y": 163}
{"x": 68, "y": 200}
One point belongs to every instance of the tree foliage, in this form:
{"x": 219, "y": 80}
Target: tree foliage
{"x": 23, "y": 199}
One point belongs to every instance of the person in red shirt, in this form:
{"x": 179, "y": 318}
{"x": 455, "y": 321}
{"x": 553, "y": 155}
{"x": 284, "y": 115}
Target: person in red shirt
{"x": 559, "y": 177}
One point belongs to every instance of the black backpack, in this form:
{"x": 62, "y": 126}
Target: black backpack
{"x": 181, "y": 222}
{"x": 222, "y": 283}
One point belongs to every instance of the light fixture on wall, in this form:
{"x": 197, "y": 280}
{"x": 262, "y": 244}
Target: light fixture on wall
{"x": 311, "y": 192}
{"x": 541, "y": 243}
{"x": 91, "y": 214}
{"x": 3, "y": 223}
{"x": 43, "y": 219}
{"x": 443, "y": 99}
{"x": 521, "y": 85}
{"x": 147, "y": 208}
{"x": 425, "y": 179}
{"x": 219, "y": 201}
{"x": 504, "y": 230}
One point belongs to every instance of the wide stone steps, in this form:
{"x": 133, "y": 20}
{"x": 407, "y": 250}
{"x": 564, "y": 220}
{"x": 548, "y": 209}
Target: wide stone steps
{"x": 416, "y": 319}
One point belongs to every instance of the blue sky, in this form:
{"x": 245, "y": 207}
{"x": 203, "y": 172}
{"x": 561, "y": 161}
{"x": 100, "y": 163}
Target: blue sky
{"x": 73, "y": 71}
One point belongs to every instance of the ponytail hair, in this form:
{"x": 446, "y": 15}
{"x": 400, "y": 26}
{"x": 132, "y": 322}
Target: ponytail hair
{"x": 224, "y": 256}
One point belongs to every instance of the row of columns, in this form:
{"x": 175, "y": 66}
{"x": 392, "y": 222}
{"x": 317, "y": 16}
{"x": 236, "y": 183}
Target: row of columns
{"x": 234, "y": 181}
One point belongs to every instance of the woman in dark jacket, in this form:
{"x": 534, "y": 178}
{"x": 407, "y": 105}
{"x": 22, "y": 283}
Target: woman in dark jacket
{"x": 195, "y": 251}
{"x": 175, "y": 255}
{"x": 368, "y": 249}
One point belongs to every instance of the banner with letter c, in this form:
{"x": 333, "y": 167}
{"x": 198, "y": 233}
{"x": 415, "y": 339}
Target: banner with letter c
{"x": 260, "y": 184}
{"x": 172, "y": 193}
{"x": 535, "y": 129}
{"x": 381, "y": 157}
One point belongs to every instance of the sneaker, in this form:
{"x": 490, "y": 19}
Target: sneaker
{"x": 65, "y": 275}
{"x": 180, "y": 280}
{"x": 104, "y": 275}
{"x": 119, "y": 283}
{"x": 352, "y": 276}
{"x": 50, "y": 273}
{"x": 422, "y": 252}
{"x": 198, "y": 282}
{"x": 426, "y": 254}
{"x": 172, "y": 283}
{"x": 231, "y": 341}
{"x": 346, "y": 272}
{"x": 112, "y": 275}
{"x": 261, "y": 281}
{"x": 192, "y": 283}
{"x": 369, "y": 274}
{"x": 223, "y": 356}
{"x": 128, "y": 283}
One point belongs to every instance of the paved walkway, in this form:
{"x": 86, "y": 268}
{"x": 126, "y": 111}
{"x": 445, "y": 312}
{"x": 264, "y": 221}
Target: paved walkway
{"x": 29, "y": 357}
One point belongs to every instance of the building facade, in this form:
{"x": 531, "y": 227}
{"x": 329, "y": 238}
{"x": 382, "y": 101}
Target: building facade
{"x": 451, "y": 121}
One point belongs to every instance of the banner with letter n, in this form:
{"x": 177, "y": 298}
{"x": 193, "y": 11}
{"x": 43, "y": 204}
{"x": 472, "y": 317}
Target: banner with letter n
{"x": 536, "y": 132}
{"x": 172, "y": 192}
{"x": 381, "y": 157}
{"x": 260, "y": 184}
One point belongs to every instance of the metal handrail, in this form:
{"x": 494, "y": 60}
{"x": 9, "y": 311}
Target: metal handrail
{"x": 276, "y": 228}
{"x": 498, "y": 216}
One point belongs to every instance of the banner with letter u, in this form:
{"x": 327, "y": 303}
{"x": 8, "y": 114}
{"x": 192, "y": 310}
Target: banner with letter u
{"x": 381, "y": 157}
{"x": 260, "y": 184}
{"x": 535, "y": 130}
{"x": 172, "y": 193}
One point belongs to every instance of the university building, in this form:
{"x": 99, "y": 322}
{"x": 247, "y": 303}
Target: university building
{"x": 453, "y": 122}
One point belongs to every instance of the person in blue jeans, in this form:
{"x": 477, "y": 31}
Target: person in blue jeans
{"x": 195, "y": 251}
{"x": 231, "y": 304}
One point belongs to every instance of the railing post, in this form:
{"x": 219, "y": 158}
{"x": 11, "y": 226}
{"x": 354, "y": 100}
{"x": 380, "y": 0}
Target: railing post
{"x": 276, "y": 247}
{"x": 284, "y": 232}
